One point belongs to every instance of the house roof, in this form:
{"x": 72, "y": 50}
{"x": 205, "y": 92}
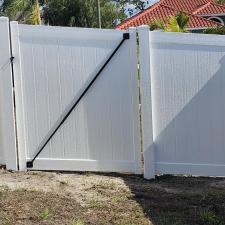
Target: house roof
{"x": 165, "y": 8}
{"x": 210, "y": 9}
{"x": 185, "y": 5}
{"x": 162, "y": 12}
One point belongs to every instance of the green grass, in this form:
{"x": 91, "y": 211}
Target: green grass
{"x": 96, "y": 204}
{"x": 45, "y": 214}
{"x": 208, "y": 217}
{"x": 77, "y": 222}
{"x": 7, "y": 221}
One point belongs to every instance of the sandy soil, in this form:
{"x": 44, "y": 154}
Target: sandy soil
{"x": 102, "y": 199}
{"x": 81, "y": 187}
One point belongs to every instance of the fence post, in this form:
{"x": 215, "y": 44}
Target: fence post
{"x": 7, "y": 119}
{"x": 146, "y": 104}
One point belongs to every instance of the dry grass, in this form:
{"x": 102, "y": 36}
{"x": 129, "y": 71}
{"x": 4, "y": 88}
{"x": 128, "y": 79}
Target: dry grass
{"x": 101, "y": 199}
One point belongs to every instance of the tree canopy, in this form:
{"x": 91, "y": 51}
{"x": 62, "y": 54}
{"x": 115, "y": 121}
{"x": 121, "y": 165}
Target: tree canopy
{"x": 25, "y": 11}
{"x": 81, "y": 13}
{"x": 133, "y": 6}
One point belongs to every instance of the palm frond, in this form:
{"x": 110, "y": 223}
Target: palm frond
{"x": 177, "y": 23}
{"x": 172, "y": 25}
{"x": 157, "y": 25}
{"x": 182, "y": 20}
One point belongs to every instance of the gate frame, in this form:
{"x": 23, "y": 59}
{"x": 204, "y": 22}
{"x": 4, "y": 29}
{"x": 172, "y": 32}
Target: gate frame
{"x": 20, "y": 114}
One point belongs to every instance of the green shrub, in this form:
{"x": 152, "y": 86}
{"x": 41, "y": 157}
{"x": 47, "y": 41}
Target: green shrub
{"x": 215, "y": 30}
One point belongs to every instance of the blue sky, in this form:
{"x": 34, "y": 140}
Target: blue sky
{"x": 149, "y": 2}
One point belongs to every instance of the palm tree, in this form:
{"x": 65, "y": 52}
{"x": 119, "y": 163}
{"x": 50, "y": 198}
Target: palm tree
{"x": 177, "y": 23}
{"x": 157, "y": 25}
{"x": 25, "y": 11}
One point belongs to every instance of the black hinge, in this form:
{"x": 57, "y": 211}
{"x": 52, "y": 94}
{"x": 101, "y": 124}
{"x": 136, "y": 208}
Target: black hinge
{"x": 12, "y": 59}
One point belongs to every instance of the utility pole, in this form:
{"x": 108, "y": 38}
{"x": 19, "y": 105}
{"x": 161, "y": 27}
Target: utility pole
{"x": 99, "y": 14}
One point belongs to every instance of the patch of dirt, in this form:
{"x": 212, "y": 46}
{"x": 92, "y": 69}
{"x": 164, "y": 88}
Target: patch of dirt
{"x": 81, "y": 187}
{"x": 49, "y": 198}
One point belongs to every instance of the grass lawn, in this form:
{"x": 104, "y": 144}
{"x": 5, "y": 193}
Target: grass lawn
{"x": 101, "y": 199}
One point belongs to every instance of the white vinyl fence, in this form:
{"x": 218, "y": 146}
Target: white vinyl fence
{"x": 186, "y": 73}
{"x": 51, "y": 73}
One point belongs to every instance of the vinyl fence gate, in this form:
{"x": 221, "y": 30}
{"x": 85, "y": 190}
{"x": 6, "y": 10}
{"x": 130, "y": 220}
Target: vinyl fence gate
{"x": 76, "y": 98}
{"x": 71, "y": 97}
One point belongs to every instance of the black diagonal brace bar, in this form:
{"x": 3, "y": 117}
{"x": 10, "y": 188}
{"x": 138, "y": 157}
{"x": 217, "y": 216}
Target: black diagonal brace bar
{"x": 61, "y": 121}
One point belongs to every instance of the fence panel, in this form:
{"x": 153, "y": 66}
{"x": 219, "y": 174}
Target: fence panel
{"x": 56, "y": 63}
{"x": 188, "y": 92}
{"x": 8, "y": 154}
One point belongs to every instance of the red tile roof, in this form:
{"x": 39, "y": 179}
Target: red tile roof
{"x": 210, "y": 9}
{"x": 185, "y": 5}
{"x": 165, "y": 8}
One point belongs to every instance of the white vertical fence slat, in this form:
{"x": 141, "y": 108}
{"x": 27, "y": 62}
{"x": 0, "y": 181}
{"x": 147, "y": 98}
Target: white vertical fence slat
{"x": 146, "y": 105}
{"x": 8, "y": 153}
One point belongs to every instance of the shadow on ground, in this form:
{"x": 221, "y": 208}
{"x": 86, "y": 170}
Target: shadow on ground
{"x": 171, "y": 200}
